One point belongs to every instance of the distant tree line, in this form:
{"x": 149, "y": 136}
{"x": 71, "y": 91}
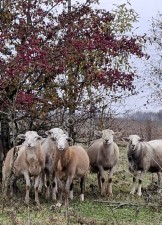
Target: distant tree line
{"x": 145, "y": 116}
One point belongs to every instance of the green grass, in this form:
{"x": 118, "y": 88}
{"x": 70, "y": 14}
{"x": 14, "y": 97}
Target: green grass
{"x": 120, "y": 209}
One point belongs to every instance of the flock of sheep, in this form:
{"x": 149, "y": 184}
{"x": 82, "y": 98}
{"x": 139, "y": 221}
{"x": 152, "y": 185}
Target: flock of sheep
{"x": 54, "y": 162}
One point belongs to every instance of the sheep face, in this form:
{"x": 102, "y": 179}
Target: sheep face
{"x": 54, "y": 132}
{"x": 62, "y": 141}
{"x": 31, "y": 138}
{"x": 133, "y": 141}
{"x": 107, "y": 136}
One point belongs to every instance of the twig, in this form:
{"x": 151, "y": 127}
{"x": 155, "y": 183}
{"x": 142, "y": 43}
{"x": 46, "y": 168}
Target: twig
{"x": 121, "y": 204}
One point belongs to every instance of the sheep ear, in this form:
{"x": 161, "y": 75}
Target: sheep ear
{"x": 142, "y": 139}
{"x": 126, "y": 139}
{"x": 64, "y": 130}
{"x": 48, "y": 132}
{"x": 98, "y": 134}
{"x": 39, "y": 138}
{"x": 21, "y": 136}
{"x": 70, "y": 141}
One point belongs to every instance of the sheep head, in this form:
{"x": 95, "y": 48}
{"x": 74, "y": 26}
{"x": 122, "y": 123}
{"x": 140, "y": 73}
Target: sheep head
{"x": 30, "y": 138}
{"x": 106, "y": 135}
{"x": 54, "y": 132}
{"x": 62, "y": 141}
{"x": 133, "y": 141}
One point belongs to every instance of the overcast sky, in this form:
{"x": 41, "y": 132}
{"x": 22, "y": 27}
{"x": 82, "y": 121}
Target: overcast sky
{"x": 146, "y": 10}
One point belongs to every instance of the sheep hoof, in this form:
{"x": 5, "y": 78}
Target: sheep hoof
{"x": 39, "y": 190}
{"x": 110, "y": 194}
{"x": 47, "y": 195}
{"x": 58, "y": 205}
{"x": 26, "y": 202}
{"x": 159, "y": 191}
{"x": 54, "y": 197}
{"x": 82, "y": 197}
{"x": 139, "y": 194}
{"x": 71, "y": 195}
{"x": 103, "y": 194}
{"x": 39, "y": 207}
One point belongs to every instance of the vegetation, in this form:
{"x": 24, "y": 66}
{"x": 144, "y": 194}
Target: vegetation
{"x": 64, "y": 61}
{"x": 153, "y": 65}
{"x": 120, "y": 209}
{"x": 67, "y": 67}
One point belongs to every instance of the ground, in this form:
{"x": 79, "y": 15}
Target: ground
{"x": 121, "y": 209}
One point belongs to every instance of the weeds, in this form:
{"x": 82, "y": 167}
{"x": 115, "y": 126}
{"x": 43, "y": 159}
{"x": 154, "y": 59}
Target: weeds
{"x": 121, "y": 209}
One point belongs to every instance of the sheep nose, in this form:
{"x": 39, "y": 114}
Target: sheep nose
{"x": 29, "y": 145}
{"x": 61, "y": 147}
{"x": 106, "y": 140}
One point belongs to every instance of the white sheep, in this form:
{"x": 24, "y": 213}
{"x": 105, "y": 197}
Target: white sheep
{"x": 103, "y": 155}
{"x": 49, "y": 147}
{"x": 144, "y": 157}
{"x": 71, "y": 162}
{"x": 30, "y": 162}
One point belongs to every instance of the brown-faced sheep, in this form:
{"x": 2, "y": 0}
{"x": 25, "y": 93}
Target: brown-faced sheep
{"x": 30, "y": 162}
{"x": 71, "y": 162}
{"x": 144, "y": 157}
{"x": 104, "y": 155}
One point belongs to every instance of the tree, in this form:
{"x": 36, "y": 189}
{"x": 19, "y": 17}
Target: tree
{"x": 52, "y": 60}
{"x": 154, "y": 64}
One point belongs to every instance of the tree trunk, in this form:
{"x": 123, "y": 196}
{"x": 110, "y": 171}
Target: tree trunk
{"x": 5, "y": 133}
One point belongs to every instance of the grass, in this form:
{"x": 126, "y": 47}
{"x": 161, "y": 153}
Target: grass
{"x": 120, "y": 209}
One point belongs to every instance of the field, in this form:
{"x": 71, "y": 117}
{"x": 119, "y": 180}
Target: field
{"x": 120, "y": 209}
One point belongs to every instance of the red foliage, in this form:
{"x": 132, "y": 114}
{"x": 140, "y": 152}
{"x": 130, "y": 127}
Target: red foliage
{"x": 37, "y": 48}
{"x": 23, "y": 98}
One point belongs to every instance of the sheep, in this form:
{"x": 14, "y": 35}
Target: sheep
{"x": 71, "y": 162}
{"x": 30, "y": 162}
{"x": 104, "y": 155}
{"x": 144, "y": 157}
{"x": 50, "y": 151}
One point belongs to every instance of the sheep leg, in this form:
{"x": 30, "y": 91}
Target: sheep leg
{"x": 47, "y": 183}
{"x": 139, "y": 192}
{"x": 71, "y": 191}
{"x": 102, "y": 180}
{"x": 67, "y": 189}
{"x": 41, "y": 182}
{"x": 159, "y": 182}
{"x": 60, "y": 189}
{"x": 12, "y": 181}
{"x": 110, "y": 181}
{"x": 54, "y": 188}
{"x": 27, "y": 179}
{"x": 36, "y": 185}
{"x": 134, "y": 184}
{"x": 99, "y": 181}
{"x": 5, "y": 187}
{"x": 82, "y": 187}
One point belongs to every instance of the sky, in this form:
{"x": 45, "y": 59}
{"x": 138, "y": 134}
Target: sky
{"x": 147, "y": 9}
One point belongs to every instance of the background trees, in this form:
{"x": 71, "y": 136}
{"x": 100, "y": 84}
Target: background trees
{"x": 56, "y": 62}
{"x": 154, "y": 65}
